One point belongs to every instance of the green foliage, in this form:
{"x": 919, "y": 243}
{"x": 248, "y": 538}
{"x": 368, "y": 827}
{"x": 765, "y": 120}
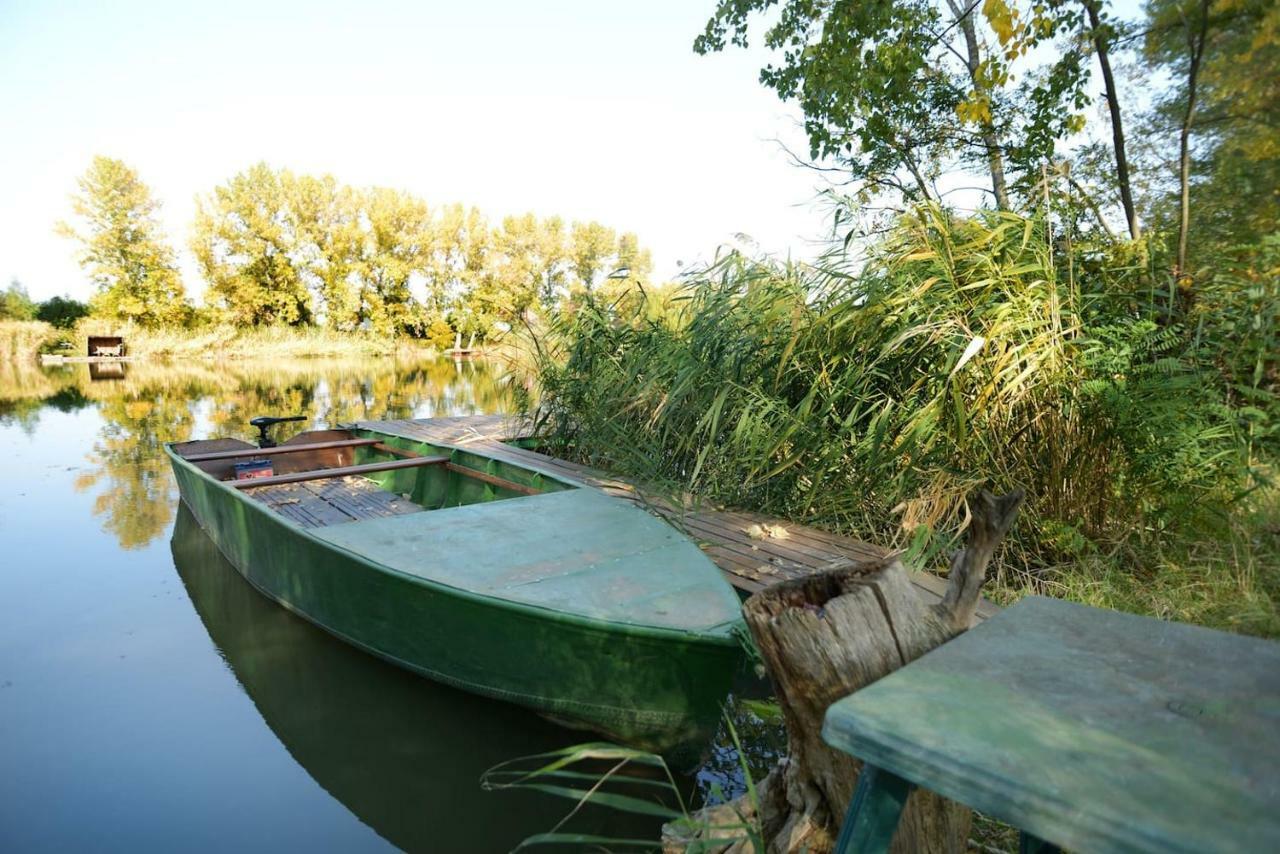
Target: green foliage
{"x": 864, "y": 76}
{"x": 62, "y": 312}
{"x": 440, "y": 334}
{"x": 16, "y": 304}
{"x": 123, "y": 248}
{"x": 283, "y": 248}
{"x": 901, "y": 92}
{"x": 250, "y": 245}
{"x": 397, "y": 245}
{"x": 1236, "y": 127}
{"x": 872, "y": 398}
{"x": 620, "y": 778}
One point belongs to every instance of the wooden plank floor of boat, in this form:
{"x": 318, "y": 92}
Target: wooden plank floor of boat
{"x": 317, "y": 503}
{"x": 749, "y": 563}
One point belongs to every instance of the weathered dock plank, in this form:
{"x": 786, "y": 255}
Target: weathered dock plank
{"x": 737, "y": 541}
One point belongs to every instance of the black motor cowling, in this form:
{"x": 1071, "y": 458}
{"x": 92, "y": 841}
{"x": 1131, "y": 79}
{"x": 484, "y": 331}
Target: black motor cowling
{"x": 266, "y": 422}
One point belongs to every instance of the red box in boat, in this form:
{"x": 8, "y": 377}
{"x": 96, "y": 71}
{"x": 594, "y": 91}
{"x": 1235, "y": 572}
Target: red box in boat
{"x": 254, "y": 468}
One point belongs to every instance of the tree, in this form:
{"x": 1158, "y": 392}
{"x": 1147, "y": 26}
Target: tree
{"x": 397, "y": 248}
{"x": 632, "y": 258}
{"x": 903, "y": 91}
{"x": 1219, "y": 56}
{"x": 1103, "y": 33}
{"x": 123, "y": 247}
{"x": 62, "y": 312}
{"x": 883, "y": 88}
{"x": 276, "y": 247}
{"x": 15, "y": 304}
{"x": 326, "y": 218}
{"x": 591, "y": 248}
{"x": 474, "y": 312}
{"x": 551, "y": 257}
{"x": 246, "y": 240}
{"x": 516, "y": 268}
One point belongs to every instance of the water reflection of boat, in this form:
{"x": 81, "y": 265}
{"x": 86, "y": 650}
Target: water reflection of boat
{"x": 402, "y": 753}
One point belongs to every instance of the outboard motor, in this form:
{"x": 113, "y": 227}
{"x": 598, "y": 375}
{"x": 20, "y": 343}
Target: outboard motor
{"x": 266, "y": 422}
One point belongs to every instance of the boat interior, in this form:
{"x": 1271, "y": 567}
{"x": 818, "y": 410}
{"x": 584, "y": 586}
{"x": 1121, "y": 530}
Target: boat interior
{"x": 328, "y": 477}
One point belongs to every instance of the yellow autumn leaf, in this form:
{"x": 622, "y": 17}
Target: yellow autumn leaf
{"x": 1002, "y": 18}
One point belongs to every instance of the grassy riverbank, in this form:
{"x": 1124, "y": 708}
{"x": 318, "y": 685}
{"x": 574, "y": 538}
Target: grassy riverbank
{"x": 20, "y": 340}
{"x": 871, "y": 398}
{"x": 24, "y": 341}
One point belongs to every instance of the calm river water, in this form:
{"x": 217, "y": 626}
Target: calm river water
{"x": 151, "y": 700}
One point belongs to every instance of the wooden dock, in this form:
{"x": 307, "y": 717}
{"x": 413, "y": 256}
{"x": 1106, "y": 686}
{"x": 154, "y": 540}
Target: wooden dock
{"x": 737, "y": 541}
{"x": 55, "y": 359}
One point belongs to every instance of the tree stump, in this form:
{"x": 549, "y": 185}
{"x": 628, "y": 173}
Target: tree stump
{"x": 824, "y": 637}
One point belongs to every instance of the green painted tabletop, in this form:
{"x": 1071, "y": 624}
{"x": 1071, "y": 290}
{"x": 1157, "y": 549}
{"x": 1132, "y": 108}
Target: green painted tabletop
{"x": 1092, "y": 729}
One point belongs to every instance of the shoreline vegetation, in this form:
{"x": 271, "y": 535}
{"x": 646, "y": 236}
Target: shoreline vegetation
{"x": 28, "y": 340}
{"x": 297, "y": 265}
{"x": 871, "y": 395}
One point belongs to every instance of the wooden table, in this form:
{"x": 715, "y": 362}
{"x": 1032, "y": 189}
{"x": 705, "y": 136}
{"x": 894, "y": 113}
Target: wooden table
{"x": 1089, "y": 729}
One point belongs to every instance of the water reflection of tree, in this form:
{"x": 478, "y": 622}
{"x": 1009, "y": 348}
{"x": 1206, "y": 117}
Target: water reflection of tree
{"x": 760, "y": 731}
{"x": 158, "y": 403}
{"x": 26, "y": 389}
{"x": 138, "y": 495}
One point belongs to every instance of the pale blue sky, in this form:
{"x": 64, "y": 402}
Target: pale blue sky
{"x": 585, "y": 109}
{"x": 590, "y": 109}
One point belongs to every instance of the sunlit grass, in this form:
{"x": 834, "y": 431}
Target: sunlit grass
{"x": 21, "y": 339}
{"x": 267, "y": 342}
{"x": 870, "y": 399}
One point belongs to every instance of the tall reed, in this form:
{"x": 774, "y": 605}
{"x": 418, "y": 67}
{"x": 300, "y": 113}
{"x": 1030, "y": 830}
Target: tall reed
{"x": 872, "y": 396}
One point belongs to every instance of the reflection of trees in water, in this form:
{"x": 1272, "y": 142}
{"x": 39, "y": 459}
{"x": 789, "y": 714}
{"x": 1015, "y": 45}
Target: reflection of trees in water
{"x": 25, "y": 389}
{"x": 157, "y": 403}
{"x": 760, "y": 731}
{"x": 138, "y": 493}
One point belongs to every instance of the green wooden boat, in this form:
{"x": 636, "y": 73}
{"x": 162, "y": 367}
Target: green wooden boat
{"x": 390, "y": 746}
{"x": 487, "y": 575}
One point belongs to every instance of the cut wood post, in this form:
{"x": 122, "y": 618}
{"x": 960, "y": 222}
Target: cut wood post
{"x": 990, "y": 518}
{"x": 825, "y": 636}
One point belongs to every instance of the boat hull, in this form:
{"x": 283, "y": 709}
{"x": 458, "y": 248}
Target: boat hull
{"x": 657, "y": 689}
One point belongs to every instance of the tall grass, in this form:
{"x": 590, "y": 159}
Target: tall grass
{"x": 20, "y": 340}
{"x": 230, "y": 342}
{"x": 870, "y": 397}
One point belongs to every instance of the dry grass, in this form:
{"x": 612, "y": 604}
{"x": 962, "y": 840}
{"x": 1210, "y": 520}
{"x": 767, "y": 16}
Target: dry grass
{"x": 1230, "y": 582}
{"x": 228, "y": 342}
{"x": 20, "y": 340}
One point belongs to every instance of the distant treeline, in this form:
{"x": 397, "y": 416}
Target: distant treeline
{"x": 278, "y": 248}
{"x": 62, "y": 312}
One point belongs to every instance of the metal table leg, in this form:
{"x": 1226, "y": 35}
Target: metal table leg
{"x": 1028, "y": 844}
{"x": 873, "y": 815}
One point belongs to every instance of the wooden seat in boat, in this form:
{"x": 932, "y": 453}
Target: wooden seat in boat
{"x": 317, "y": 503}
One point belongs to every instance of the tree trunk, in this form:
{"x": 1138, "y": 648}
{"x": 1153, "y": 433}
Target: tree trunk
{"x": 995, "y": 155}
{"x": 914, "y": 169}
{"x": 1100, "y": 44}
{"x": 824, "y": 637}
{"x": 1195, "y": 47}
